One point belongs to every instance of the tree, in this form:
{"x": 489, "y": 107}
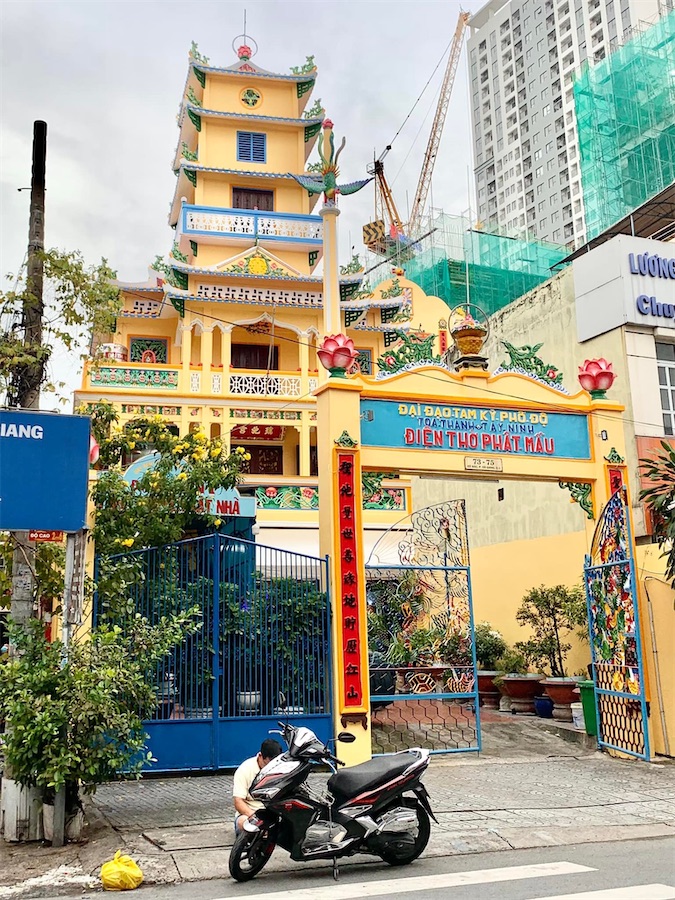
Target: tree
{"x": 553, "y": 614}
{"x": 79, "y": 300}
{"x": 660, "y": 500}
{"x": 158, "y": 507}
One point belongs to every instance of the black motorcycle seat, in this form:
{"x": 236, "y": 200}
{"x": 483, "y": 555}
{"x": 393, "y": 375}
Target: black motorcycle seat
{"x": 348, "y": 783}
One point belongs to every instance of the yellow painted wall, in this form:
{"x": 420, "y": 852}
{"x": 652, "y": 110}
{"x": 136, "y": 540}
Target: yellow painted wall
{"x": 215, "y": 254}
{"x": 285, "y": 146}
{"x": 216, "y": 190}
{"x": 503, "y": 573}
{"x": 289, "y": 360}
{"x": 657, "y": 608}
{"x": 279, "y": 98}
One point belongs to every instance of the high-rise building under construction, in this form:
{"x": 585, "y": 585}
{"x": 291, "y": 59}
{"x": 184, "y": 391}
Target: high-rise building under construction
{"x": 524, "y": 57}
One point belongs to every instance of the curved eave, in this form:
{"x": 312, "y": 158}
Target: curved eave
{"x": 245, "y": 117}
{"x": 185, "y": 188}
{"x": 232, "y": 72}
{"x": 184, "y": 296}
{"x": 390, "y": 326}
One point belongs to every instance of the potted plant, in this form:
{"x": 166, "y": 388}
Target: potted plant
{"x": 75, "y": 715}
{"x": 518, "y": 684}
{"x": 490, "y": 646}
{"x": 553, "y": 614}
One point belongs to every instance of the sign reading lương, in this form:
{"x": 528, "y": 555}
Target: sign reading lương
{"x": 506, "y": 432}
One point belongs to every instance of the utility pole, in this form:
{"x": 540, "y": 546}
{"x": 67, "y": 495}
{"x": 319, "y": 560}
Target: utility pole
{"x": 28, "y": 379}
{"x": 19, "y": 812}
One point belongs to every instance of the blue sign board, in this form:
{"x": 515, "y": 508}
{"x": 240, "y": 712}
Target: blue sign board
{"x": 216, "y": 503}
{"x": 495, "y": 431}
{"x": 44, "y": 471}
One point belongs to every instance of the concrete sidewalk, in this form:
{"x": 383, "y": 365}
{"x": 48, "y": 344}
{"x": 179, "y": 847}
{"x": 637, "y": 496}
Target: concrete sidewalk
{"x": 547, "y": 791}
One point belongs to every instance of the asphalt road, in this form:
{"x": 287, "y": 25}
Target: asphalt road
{"x": 626, "y": 870}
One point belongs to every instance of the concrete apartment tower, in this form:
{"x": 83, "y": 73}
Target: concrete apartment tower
{"x": 522, "y": 57}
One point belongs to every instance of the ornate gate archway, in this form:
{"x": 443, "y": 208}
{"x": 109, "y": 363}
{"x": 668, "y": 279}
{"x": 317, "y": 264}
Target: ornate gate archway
{"x": 614, "y": 626}
{"x": 422, "y": 659}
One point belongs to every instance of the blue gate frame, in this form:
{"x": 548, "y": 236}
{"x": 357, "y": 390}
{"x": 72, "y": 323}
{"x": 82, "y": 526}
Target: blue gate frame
{"x": 437, "y": 696}
{"x": 614, "y": 629}
{"x": 265, "y": 630}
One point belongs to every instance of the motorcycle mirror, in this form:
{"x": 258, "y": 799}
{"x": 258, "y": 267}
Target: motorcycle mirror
{"x": 283, "y": 703}
{"x": 346, "y": 738}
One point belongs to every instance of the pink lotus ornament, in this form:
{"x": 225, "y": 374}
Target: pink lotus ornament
{"x": 596, "y": 377}
{"x": 337, "y": 353}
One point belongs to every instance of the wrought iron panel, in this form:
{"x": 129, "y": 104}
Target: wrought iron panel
{"x": 614, "y": 629}
{"x": 265, "y": 629}
{"x": 423, "y": 684}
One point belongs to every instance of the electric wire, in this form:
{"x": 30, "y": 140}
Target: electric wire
{"x": 481, "y": 389}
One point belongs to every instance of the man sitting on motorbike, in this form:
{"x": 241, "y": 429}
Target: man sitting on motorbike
{"x": 244, "y": 777}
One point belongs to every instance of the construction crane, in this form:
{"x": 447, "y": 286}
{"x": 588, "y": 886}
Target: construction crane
{"x": 437, "y": 127}
{"x": 375, "y": 236}
{"x": 392, "y": 241}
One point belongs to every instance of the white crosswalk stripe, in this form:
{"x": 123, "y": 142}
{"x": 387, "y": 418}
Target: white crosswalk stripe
{"x": 425, "y": 883}
{"x": 635, "y": 892}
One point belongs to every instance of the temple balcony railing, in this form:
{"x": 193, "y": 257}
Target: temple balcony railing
{"x": 194, "y": 380}
{"x": 210, "y": 224}
{"x": 272, "y": 384}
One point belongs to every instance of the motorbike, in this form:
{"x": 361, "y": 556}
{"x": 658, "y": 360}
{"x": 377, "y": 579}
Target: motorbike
{"x": 379, "y": 807}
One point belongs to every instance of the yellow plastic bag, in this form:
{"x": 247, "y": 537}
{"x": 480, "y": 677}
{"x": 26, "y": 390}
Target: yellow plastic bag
{"x": 121, "y": 874}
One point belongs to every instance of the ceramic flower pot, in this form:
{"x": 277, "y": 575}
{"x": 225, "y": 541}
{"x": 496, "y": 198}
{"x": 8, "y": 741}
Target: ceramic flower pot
{"x": 543, "y": 706}
{"x": 469, "y": 341}
{"x": 487, "y": 690}
{"x": 562, "y": 693}
{"x": 521, "y": 690}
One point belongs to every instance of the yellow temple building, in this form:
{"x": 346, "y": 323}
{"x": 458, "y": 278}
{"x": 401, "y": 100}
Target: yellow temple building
{"x": 223, "y": 335}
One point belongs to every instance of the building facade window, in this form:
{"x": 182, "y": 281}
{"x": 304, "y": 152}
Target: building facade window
{"x": 246, "y": 198}
{"x": 251, "y": 146}
{"x": 665, "y": 355}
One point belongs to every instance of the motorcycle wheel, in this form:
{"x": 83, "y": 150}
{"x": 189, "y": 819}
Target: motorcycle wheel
{"x": 402, "y": 856}
{"x": 250, "y": 853}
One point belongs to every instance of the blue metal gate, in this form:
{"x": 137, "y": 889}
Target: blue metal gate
{"x": 421, "y": 636}
{"x": 265, "y": 630}
{"x": 614, "y": 626}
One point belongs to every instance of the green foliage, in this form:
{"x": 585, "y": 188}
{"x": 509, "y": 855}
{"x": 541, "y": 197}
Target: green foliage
{"x": 49, "y": 571}
{"x": 553, "y": 614}
{"x": 79, "y": 300}
{"x": 490, "y": 646}
{"x": 165, "y": 499}
{"x": 511, "y": 662}
{"x": 660, "y": 500}
{"x": 76, "y": 718}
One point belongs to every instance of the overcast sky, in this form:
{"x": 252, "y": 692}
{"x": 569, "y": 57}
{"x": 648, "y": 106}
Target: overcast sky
{"x": 107, "y": 77}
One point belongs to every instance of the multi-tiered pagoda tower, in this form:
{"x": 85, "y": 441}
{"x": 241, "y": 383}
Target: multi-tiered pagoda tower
{"x": 223, "y": 335}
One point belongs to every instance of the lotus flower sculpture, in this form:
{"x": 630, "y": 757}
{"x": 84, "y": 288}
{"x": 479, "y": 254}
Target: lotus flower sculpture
{"x": 596, "y": 377}
{"x": 337, "y": 353}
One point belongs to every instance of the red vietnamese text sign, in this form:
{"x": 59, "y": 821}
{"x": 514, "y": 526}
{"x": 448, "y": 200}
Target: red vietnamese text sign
{"x": 45, "y": 536}
{"x": 349, "y": 583}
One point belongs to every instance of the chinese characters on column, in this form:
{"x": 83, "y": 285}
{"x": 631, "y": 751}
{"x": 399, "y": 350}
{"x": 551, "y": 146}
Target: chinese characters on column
{"x": 349, "y": 582}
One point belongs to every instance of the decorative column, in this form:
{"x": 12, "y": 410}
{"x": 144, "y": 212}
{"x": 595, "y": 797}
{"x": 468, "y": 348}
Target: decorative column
{"x": 341, "y": 538}
{"x": 332, "y": 319}
{"x": 304, "y": 430}
{"x": 226, "y": 356}
{"x": 207, "y": 359}
{"x": 185, "y": 353}
{"x": 303, "y": 359}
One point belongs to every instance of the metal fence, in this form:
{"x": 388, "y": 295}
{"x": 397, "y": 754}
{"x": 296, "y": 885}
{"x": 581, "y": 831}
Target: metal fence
{"x": 264, "y": 630}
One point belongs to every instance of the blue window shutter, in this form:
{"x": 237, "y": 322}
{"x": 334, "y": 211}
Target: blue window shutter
{"x": 258, "y": 148}
{"x": 251, "y": 146}
{"x": 244, "y": 146}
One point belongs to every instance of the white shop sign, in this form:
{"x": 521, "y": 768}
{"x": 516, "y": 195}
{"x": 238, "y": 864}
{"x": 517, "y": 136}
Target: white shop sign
{"x": 627, "y": 280}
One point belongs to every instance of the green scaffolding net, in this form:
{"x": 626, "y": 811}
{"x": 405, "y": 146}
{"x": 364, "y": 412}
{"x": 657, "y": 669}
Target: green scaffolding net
{"x": 458, "y": 264}
{"x": 625, "y": 110}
